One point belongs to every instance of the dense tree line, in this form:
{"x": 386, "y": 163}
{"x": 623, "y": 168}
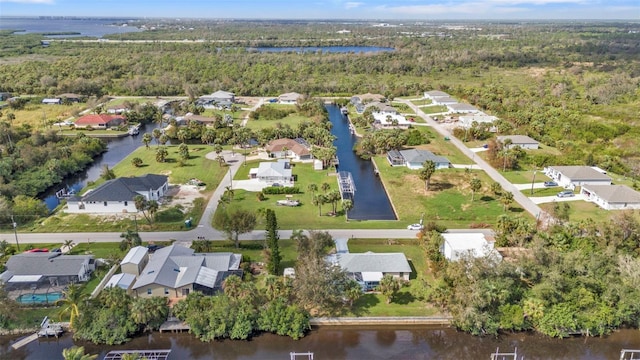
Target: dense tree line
{"x": 575, "y": 278}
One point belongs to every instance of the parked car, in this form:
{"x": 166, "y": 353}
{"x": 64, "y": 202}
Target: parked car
{"x": 566, "y": 193}
{"x": 550, "y": 183}
{"x": 415, "y": 227}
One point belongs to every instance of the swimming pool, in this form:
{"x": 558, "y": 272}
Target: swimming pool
{"x": 39, "y": 298}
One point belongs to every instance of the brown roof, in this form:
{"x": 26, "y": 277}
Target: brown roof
{"x": 95, "y": 119}
{"x": 292, "y": 145}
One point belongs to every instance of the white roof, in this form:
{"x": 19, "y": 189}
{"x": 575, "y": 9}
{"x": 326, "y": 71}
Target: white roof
{"x": 461, "y": 244}
{"x": 123, "y": 281}
{"x": 135, "y": 255}
{"x": 25, "y": 278}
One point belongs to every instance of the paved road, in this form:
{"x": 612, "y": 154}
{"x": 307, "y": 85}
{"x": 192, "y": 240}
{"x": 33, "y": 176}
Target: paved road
{"x": 520, "y": 198}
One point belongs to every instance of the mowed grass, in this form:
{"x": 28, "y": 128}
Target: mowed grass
{"x": 583, "y": 210}
{"x": 292, "y": 120}
{"x": 422, "y": 102}
{"x": 433, "y": 109}
{"x": 439, "y": 146}
{"x": 448, "y": 200}
{"x": 305, "y": 216}
{"x": 523, "y": 176}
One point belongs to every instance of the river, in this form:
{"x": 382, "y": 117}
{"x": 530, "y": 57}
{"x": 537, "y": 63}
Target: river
{"x": 335, "y": 343}
{"x": 370, "y": 200}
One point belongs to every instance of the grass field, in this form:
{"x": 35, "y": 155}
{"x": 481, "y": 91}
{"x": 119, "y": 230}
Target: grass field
{"x": 422, "y": 102}
{"x": 39, "y": 115}
{"x": 433, "y": 109}
{"x": 523, "y": 176}
{"x": 292, "y": 120}
{"x": 439, "y": 146}
{"x": 583, "y": 210}
{"x": 448, "y": 200}
{"x": 550, "y": 191}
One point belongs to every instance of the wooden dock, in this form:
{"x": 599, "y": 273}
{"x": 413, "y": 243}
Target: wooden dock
{"x": 174, "y": 325}
{"x": 24, "y": 341}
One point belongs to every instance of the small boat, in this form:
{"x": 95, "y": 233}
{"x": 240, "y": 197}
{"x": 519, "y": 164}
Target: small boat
{"x": 288, "y": 202}
{"x": 344, "y": 110}
{"x": 134, "y": 130}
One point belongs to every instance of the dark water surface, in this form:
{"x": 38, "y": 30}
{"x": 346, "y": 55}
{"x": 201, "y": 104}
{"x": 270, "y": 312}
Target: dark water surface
{"x": 370, "y": 201}
{"x": 85, "y": 27}
{"x": 335, "y": 343}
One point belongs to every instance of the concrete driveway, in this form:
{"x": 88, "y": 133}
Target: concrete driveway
{"x": 550, "y": 199}
{"x": 538, "y": 185}
{"x": 254, "y": 185}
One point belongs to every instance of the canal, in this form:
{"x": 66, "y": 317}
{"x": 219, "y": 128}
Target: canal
{"x": 117, "y": 149}
{"x": 336, "y": 343}
{"x": 370, "y": 200}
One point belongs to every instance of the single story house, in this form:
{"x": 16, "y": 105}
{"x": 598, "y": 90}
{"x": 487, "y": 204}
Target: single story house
{"x": 369, "y": 268}
{"x": 175, "y": 271}
{"x": 523, "y": 141}
{"x": 365, "y": 98}
{"x": 52, "y": 101}
{"x": 117, "y": 195}
{"x": 289, "y": 98}
{"x": 297, "y": 148}
{"x": 135, "y": 260}
{"x": 382, "y": 107}
{"x": 445, "y": 100}
{"x": 72, "y": 98}
{"x": 117, "y": 109}
{"x": 468, "y": 120}
{"x": 201, "y": 119}
{"x": 458, "y": 245}
{"x": 43, "y": 269}
{"x": 461, "y": 108}
{"x": 612, "y": 197}
{"x": 572, "y": 176}
{"x": 386, "y": 119}
{"x": 123, "y": 280}
{"x": 100, "y": 121}
{"x": 415, "y": 158}
{"x": 278, "y": 172}
{"x": 218, "y": 100}
{"x": 434, "y": 94}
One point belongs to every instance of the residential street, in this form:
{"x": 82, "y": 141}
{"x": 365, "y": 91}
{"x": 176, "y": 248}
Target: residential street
{"x": 520, "y": 198}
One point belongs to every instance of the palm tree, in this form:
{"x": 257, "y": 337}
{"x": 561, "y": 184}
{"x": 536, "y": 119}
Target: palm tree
{"x": 389, "y": 286}
{"x": 76, "y": 353}
{"x": 231, "y": 286}
{"x": 506, "y": 199}
{"x": 318, "y": 201}
{"x": 476, "y": 185}
{"x": 68, "y": 244}
{"x": 156, "y": 133}
{"x": 313, "y": 188}
{"x": 73, "y": 299}
{"x": 428, "y": 168}
{"x": 347, "y": 204}
{"x": 352, "y": 292}
{"x": 130, "y": 239}
{"x": 325, "y": 187}
{"x": 146, "y": 139}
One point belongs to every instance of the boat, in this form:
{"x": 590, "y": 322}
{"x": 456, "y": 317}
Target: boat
{"x": 344, "y": 110}
{"x": 134, "y": 130}
{"x": 65, "y": 193}
{"x": 288, "y": 202}
{"x": 48, "y": 328}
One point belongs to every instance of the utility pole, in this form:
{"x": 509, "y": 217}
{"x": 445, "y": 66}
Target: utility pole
{"x": 15, "y": 231}
{"x": 534, "y": 180}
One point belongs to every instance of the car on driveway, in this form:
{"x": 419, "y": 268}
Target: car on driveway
{"x": 550, "y": 184}
{"x": 566, "y": 193}
{"x": 415, "y": 227}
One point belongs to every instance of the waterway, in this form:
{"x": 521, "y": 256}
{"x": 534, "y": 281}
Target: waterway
{"x": 370, "y": 200}
{"x": 117, "y": 149}
{"x": 324, "y": 49}
{"x": 82, "y": 26}
{"x": 336, "y": 343}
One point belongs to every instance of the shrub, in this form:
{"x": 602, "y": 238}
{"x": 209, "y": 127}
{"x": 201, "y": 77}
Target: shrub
{"x": 279, "y": 190}
{"x": 172, "y": 214}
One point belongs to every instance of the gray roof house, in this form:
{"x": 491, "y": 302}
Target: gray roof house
{"x": 572, "y": 176}
{"x": 217, "y": 100}
{"x": 433, "y": 94}
{"x": 117, "y": 195}
{"x": 369, "y": 268}
{"x": 175, "y": 271}
{"x": 462, "y": 108}
{"x": 523, "y": 141}
{"x": 612, "y": 197}
{"x": 414, "y": 158}
{"x": 278, "y": 172}
{"x": 44, "y": 269}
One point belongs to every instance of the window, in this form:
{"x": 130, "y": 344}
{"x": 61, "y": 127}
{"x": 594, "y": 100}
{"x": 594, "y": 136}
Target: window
{"x": 185, "y": 292}
{"x": 126, "y": 203}
{"x": 105, "y": 203}
{"x": 166, "y": 291}
{"x": 401, "y": 274}
{"x": 149, "y": 291}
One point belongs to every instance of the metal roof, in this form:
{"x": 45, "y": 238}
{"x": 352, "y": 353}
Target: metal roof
{"x": 144, "y": 354}
{"x": 135, "y": 255}
{"x": 122, "y": 280}
{"x": 373, "y": 262}
{"x": 420, "y": 156}
{"x": 47, "y": 264}
{"x": 126, "y": 188}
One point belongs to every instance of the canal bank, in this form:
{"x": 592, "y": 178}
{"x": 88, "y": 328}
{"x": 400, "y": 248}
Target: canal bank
{"x": 381, "y": 321}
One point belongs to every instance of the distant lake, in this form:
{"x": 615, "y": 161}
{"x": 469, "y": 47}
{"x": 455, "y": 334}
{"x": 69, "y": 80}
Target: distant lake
{"x": 326, "y": 49}
{"x": 83, "y": 26}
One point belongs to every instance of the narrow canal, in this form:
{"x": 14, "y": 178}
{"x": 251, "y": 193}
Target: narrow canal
{"x": 117, "y": 149}
{"x": 370, "y": 200}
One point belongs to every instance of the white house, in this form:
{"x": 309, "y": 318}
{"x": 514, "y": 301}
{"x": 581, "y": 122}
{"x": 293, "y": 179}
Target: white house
{"x": 369, "y": 268}
{"x": 522, "y": 141}
{"x": 117, "y": 195}
{"x": 445, "y": 100}
{"x": 462, "y": 108}
{"x": 386, "y": 119}
{"x": 612, "y": 197}
{"x": 468, "y": 120}
{"x": 415, "y": 158}
{"x": 572, "y": 176}
{"x": 459, "y": 245}
{"x": 298, "y": 149}
{"x": 52, "y": 101}
{"x": 289, "y": 98}
{"x": 278, "y": 172}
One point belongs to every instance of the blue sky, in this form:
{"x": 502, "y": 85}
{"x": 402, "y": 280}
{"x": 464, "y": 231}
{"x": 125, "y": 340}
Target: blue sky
{"x": 331, "y": 9}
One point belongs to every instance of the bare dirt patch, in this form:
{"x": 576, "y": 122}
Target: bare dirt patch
{"x": 183, "y": 195}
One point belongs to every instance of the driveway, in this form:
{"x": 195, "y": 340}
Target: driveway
{"x": 550, "y": 199}
{"x": 538, "y": 185}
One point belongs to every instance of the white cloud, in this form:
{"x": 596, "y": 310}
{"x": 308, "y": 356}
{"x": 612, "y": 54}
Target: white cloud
{"x": 30, "y": 1}
{"x": 352, "y": 4}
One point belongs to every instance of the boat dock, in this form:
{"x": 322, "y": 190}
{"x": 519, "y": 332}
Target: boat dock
{"x": 47, "y": 328}
{"x": 305, "y": 355}
{"x": 346, "y": 184}
{"x": 626, "y": 354}
{"x": 174, "y": 325}
{"x": 506, "y": 355}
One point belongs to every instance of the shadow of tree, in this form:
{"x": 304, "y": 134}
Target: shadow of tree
{"x": 361, "y": 306}
{"x": 439, "y": 186}
{"x": 487, "y": 198}
{"x": 404, "y": 298}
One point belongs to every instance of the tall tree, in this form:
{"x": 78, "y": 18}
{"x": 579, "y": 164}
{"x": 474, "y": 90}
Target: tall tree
{"x": 235, "y": 222}
{"x": 74, "y": 299}
{"x": 389, "y": 287}
{"x": 146, "y": 139}
{"x": 130, "y": 239}
{"x": 506, "y": 199}
{"x": 428, "y": 169}
{"x": 272, "y": 237}
{"x": 347, "y": 204}
{"x": 475, "y": 185}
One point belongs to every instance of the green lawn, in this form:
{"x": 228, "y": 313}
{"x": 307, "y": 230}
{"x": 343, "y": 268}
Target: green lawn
{"x": 132, "y": 100}
{"x": 39, "y": 115}
{"x": 582, "y": 210}
{"x": 292, "y": 120}
{"x": 306, "y": 215}
{"x": 422, "y": 102}
{"x": 523, "y": 176}
{"x": 543, "y": 191}
{"x": 439, "y": 146}
{"x": 448, "y": 200}
{"x": 433, "y": 109}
